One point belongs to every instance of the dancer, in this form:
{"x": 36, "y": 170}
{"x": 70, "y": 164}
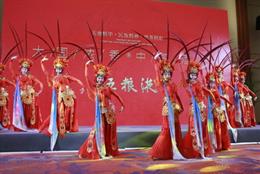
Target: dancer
{"x": 247, "y": 100}
{"x": 63, "y": 116}
{"x": 217, "y": 121}
{"x": 102, "y": 140}
{"x": 197, "y": 142}
{"x": 168, "y": 144}
{"x": 26, "y": 111}
{"x": 5, "y": 119}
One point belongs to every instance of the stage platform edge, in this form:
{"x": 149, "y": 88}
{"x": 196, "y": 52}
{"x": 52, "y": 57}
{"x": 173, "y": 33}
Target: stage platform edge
{"x": 128, "y": 137}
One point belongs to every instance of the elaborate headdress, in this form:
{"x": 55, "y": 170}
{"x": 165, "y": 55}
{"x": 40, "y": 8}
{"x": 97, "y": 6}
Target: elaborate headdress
{"x": 194, "y": 64}
{"x": 4, "y": 58}
{"x": 193, "y": 67}
{"x": 164, "y": 63}
{"x": 101, "y": 70}
{"x": 211, "y": 77}
{"x": 27, "y": 63}
{"x": 214, "y": 67}
{"x": 165, "y": 66}
{"x": 242, "y": 74}
{"x": 54, "y": 49}
{"x": 25, "y": 60}
{"x": 60, "y": 62}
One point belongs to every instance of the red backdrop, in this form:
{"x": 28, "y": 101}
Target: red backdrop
{"x": 120, "y": 18}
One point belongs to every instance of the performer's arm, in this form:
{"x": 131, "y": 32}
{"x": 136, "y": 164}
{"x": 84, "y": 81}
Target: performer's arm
{"x": 157, "y": 71}
{"x": 9, "y": 82}
{"x": 226, "y": 100}
{"x": 179, "y": 100}
{"x": 249, "y": 91}
{"x": 37, "y": 81}
{"x": 45, "y": 71}
{"x": 91, "y": 91}
{"x": 119, "y": 99}
{"x": 11, "y": 69}
{"x": 230, "y": 86}
{"x": 209, "y": 93}
{"x": 74, "y": 79}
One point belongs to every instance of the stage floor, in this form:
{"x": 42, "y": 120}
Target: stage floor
{"x": 240, "y": 159}
{"x": 128, "y": 136}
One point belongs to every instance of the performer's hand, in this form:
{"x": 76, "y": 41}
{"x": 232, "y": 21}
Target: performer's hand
{"x": 38, "y": 93}
{"x": 255, "y": 98}
{"x": 89, "y": 62}
{"x": 82, "y": 90}
{"x": 179, "y": 60}
{"x": 44, "y": 59}
{"x": 122, "y": 109}
{"x": 157, "y": 55}
{"x": 13, "y": 58}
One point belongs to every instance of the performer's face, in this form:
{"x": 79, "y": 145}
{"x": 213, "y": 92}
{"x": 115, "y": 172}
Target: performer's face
{"x": 236, "y": 78}
{"x": 24, "y": 70}
{"x": 167, "y": 75}
{"x": 100, "y": 79}
{"x": 193, "y": 77}
{"x": 58, "y": 70}
{"x": 243, "y": 80}
{"x": 220, "y": 76}
{"x": 212, "y": 84}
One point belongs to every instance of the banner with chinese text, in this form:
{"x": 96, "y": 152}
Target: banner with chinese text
{"x": 133, "y": 76}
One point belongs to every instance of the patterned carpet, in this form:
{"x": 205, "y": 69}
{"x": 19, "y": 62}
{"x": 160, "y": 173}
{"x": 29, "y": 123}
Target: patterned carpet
{"x": 240, "y": 159}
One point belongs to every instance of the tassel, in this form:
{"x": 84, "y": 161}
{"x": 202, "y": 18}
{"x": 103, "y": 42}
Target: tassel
{"x": 176, "y": 153}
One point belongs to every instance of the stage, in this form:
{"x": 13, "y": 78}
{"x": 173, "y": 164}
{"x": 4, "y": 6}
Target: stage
{"x": 128, "y": 137}
{"x": 29, "y": 153}
{"x": 240, "y": 159}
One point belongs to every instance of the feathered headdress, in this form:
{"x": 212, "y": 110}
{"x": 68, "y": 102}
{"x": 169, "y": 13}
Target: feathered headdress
{"x": 22, "y": 47}
{"x": 4, "y": 58}
{"x": 54, "y": 48}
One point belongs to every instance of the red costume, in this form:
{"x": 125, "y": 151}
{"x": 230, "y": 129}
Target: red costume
{"x": 224, "y": 87}
{"x": 102, "y": 140}
{"x": 29, "y": 115}
{"x": 238, "y": 94}
{"x": 197, "y": 110}
{"x": 247, "y": 97}
{"x": 162, "y": 148}
{"x": 103, "y": 94}
{"x": 168, "y": 144}
{"x": 220, "y": 123}
{"x": 29, "y": 96}
{"x": 197, "y": 141}
{"x": 5, "y": 119}
{"x": 63, "y": 116}
{"x": 67, "y": 120}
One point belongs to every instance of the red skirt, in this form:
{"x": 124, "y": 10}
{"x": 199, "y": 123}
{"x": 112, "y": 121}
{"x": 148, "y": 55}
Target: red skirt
{"x": 221, "y": 132}
{"x": 162, "y": 148}
{"x": 89, "y": 148}
{"x": 66, "y": 120}
{"x": 246, "y": 117}
{"x": 225, "y": 136}
{"x": 252, "y": 114}
{"x": 5, "y": 117}
{"x": 30, "y": 111}
{"x": 190, "y": 146}
{"x": 217, "y": 130}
